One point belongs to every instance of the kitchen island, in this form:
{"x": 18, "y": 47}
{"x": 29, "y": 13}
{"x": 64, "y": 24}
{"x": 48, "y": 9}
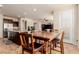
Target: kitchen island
{"x": 14, "y": 37}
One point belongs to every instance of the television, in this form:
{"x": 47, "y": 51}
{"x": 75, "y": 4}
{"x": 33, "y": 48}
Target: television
{"x": 47, "y": 26}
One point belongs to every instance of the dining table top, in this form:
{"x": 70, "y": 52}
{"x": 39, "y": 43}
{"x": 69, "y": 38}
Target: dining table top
{"x": 47, "y": 36}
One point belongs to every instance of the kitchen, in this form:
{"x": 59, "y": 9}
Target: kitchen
{"x": 12, "y": 26}
{"x": 33, "y": 19}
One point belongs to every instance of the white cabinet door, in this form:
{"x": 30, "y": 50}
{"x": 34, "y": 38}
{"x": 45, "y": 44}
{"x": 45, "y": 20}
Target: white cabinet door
{"x": 5, "y": 25}
{"x": 10, "y": 27}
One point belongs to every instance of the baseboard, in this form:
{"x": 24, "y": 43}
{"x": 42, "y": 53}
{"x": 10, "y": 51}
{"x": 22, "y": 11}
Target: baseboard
{"x": 70, "y": 44}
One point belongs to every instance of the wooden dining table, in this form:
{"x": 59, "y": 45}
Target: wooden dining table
{"x": 46, "y": 36}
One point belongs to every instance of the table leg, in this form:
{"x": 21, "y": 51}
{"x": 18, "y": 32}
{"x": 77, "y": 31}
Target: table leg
{"x": 45, "y": 47}
{"x": 50, "y": 47}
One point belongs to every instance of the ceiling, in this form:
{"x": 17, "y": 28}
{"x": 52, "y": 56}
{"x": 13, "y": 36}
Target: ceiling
{"x": 33, "y": 11}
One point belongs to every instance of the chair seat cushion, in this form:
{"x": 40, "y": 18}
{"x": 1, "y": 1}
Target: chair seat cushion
{"x": 56, "y": 40}
{"x": 37, "y": 46}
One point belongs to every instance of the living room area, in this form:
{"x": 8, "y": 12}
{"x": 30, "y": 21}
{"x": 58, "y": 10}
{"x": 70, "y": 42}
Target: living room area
{"x": 40, "y": 20}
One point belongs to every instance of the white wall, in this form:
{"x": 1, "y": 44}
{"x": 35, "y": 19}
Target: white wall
{"x": 78, "y": 22}
{"x": 1, "y": 25}
{"x": 38, "y": 26}
{"x": 22, "y": 25}
{"x": 56, "y": 19}
{"x": 30, "y": 22}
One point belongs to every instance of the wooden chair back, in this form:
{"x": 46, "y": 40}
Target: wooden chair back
{"x": 25, "y": 38}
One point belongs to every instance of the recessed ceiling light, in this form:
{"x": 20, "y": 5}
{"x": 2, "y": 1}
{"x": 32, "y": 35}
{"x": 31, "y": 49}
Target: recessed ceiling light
{"x": 34, "y": 9}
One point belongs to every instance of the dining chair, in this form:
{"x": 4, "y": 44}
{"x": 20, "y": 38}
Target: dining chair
{"x": 58, "y": 43}
{"x": 31, "y": 47}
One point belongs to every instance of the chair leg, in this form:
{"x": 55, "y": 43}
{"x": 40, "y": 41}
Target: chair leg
{"x": 62, "y": 48}
{"x": 55, "y": 44}
{"x": 50, "y": 47}
{"x": 22, "y": 51}
{"x": 42, "y": 51}
{"x": 32, "y": 52}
